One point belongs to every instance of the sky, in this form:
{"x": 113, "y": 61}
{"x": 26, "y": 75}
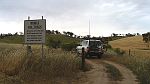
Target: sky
{"x": 105, "y": 16}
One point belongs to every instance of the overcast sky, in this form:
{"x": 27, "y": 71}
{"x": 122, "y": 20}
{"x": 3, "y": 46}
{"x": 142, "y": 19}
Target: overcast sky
{"x": 106, "y": 16}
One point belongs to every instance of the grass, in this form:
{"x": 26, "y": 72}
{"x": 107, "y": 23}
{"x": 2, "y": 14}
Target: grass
{"x": 138, "y": 61}
{"x": 19, "y": 39}
{"x": 135, "y": 44}
{"x": 114, "y": 73}
{"x": 17, "y": 66}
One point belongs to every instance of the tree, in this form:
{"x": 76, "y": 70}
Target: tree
{"x": 16, "y": 34}
{"x": 21, "y": 33}
{"x": 114, "y": 35}
{"x": 65, "y": 33}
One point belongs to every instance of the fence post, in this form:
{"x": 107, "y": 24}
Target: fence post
{"x": 83, "y": 59}
{"x": 129, "y": 52}
{"x": 29, "y": 50}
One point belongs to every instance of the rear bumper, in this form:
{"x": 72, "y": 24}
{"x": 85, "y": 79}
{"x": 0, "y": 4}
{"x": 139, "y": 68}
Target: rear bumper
{"x": 93, "y": 53}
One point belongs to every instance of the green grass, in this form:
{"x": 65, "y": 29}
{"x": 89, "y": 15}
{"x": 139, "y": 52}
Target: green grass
{"x": 20, "y": 39}
{"x": 62, "y": 38}
{"x": 12, "y": 39}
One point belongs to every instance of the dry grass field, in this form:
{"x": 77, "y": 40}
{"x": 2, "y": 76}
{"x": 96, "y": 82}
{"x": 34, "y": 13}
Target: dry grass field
{"x": 139, "y": 59}
{"x": 18, "y": 68}
{"x": 135, "y": 44}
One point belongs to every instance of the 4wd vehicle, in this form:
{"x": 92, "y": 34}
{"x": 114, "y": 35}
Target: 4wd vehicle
{"x": 91, "y": 47}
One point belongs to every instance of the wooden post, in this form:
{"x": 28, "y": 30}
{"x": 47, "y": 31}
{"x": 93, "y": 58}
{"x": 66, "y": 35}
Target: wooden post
{"x": 28, "y": 50}
{"x": 43, "y": 57}
{"x": 129, "y": 52}
{"x": 83, "y": 59}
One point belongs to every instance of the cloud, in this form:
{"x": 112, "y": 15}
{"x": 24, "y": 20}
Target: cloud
{"x": 119, "y": 16}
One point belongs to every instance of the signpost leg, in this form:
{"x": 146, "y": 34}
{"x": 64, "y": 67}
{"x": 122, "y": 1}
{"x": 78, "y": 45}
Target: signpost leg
{"x": 43, "y": 57}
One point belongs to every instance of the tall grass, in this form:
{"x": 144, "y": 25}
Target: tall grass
{"x": 58, "y": 64}
{"x": 137, "y": 63}
{"x": 139, "y": 59}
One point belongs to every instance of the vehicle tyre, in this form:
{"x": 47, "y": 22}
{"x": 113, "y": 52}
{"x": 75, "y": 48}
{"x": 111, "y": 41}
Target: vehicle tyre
{"x": 99, "y": 56}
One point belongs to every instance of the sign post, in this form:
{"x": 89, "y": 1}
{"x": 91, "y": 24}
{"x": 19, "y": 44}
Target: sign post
{"x": 34, "y": 32}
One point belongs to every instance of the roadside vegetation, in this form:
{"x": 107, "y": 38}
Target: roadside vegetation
{"x": 17, "y": 67}
{"x": 113, "y": 72}
{"x": 129, "y": 51}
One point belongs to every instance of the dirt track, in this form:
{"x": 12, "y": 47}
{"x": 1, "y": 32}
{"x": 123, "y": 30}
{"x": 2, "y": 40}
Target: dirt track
{"x": 98, "y": 75}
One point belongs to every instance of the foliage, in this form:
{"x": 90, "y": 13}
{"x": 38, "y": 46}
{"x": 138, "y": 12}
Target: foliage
{"x": 114, "y": 73}
{"x": 69, "y": 46}
{"x": 53, "y": 43}
{"x": 119, "y": 51}
{"x": 61, "y": 41}
{"x": 108, "y": 46}
{"x": 14, "y": 62}
{"x": 17, "y": 39}
{"x": 138, "y": 62}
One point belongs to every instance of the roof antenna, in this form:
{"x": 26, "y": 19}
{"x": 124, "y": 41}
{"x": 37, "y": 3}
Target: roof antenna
{"x": 89, "y": 28}
{"x": 89, "y": 31}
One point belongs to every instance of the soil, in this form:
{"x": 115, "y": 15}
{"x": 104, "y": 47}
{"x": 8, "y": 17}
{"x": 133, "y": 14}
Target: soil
{"x": 98, "y": 74}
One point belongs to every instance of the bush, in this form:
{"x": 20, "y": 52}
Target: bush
{"x": 119, "y": 51}
{"x": 69, "y": 46}
{"x": 53, "y": 43}
{"x": 109, "y": 46}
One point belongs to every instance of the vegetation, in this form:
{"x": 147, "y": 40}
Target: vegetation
{"x": 119, "y": 51}
{"x": 146, "y": 37}
{"x": 14, "y": 62}
{"x": 114, "y": 73}
{"x": 16, "y": 39}
{"x": 138, "y": 61}
{"x": 52, "y": 41}
{"x": 61, "y": 41}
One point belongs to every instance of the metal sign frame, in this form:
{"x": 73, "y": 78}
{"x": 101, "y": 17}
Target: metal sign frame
{"x": 34, "y": 31}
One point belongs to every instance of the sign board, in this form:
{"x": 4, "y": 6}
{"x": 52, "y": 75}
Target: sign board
{"x": 34, "y": 31}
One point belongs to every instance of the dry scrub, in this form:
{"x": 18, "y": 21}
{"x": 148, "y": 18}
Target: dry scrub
{"x": 139, "y": 59}
{"x": 14, "y": 62}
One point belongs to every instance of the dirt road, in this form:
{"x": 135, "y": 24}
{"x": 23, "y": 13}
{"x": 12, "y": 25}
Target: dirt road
{"x": 98, "y": 74}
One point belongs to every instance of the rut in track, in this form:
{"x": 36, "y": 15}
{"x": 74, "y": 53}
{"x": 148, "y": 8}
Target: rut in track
{"x": 98, "y": 74}
{"x": 129, "y": 77}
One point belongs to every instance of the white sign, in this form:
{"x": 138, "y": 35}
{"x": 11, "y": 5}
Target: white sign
{"x": 34, "y": 31}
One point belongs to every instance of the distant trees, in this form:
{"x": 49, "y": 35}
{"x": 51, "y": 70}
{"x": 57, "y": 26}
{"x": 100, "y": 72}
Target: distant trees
{"x": 52, "y": 32}
{"x": 146, "y": 37}
{"x": 66, "y": 33}
{"x": 5, "y": 35}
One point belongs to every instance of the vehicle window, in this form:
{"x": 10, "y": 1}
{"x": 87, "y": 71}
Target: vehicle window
{"x": 84, "y": 43}
{"x": 95, "y": 43}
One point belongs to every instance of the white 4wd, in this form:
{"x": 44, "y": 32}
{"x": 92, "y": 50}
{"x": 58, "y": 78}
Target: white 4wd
{"x": 91, "y": 47}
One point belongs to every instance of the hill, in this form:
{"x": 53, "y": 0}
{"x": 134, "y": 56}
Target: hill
{"x": 19, "y": 39}
{"x": 135, "y": 44}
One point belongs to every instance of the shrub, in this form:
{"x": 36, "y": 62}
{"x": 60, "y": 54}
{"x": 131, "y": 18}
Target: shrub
{"x": 69, "y": 46}
{"x": 53, "y": 43}
{"x": 108, "y": 46}
{"x": 119, "y": 51}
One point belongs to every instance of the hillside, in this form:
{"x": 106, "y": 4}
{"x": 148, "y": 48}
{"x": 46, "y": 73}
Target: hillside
{"x": 20, "y": 39}
{"x": 135, "y": 44}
